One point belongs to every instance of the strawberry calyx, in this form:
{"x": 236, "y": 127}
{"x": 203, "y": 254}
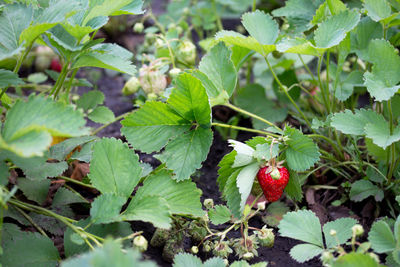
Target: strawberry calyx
{"x": 275, "y": 174}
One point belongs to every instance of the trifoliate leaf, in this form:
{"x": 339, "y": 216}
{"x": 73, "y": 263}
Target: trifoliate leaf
{"x": 302, "y": 225}
{"x": 219, "y": 214}
{"x": 343, "y": 230}
{"x": 302, "y": 153}
{"x": 305, "y": 252}
{"x": 114, "y": 167}
{"x": 333, "y": 30}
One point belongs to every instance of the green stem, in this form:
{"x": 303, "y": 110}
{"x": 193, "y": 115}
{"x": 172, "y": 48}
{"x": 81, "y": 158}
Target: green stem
{"x": 245, "y": 129}
{"x": 320, "y": 82}
{"x": 327, "y": 80}
{"x": 392, "y": 148}
{"x": 56, "y": 85}
{"x": 71, "y": 80}
{"x": 76, "y": 182}
{"x": 30, "y": 220}
{"x": 307, "y": 68}
{"x": 63, "y": 77}
{"x": 219, "y": 22}
{"x": 284, "y": 89}
{"x": 253, "y": 8}
{"x": 252, "y": 115}
{"x": 108, "y": 124}
{"x": 335, "y": 147}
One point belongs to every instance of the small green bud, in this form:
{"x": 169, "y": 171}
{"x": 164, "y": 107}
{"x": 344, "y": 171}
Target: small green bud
{"x": 131, "y": 86}
{"x": 333, "y": 232}
{"x": 374, "y": 256}
{"x": 358, "y": 230}
{"x": 187, "y": 52}
{"x": 194, "y": 250}
{"x": 208, "y": 203}
{"x": 140, "y": 243}
{"x": 261, "y": 205}
{"x": 226, "y": 262}
{"x": 327, "y": 258}
{"x": 138, "y": 27}
{"x": 152, "y": 96}
{"x": 207, "y": 246}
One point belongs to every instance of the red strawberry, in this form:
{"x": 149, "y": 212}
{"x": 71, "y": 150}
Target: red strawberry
{"x": 273, "y": 181}
{"x": 55, "y": 65}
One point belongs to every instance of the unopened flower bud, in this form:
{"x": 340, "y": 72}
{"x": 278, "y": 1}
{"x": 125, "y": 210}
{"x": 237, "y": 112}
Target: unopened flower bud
{"x": 261, "y": 205}
{"x": 173, "y": 73}
{"x": 248, "y": 256}
{"x": 140, "y": 243}
{"x": 152, "y": 96}
{"x": 266, "y": 237}
{"x": 327, "y": 258}
{"x": 358, "y": 230}
{"x": 226, "y": 262}
{"x": 187, "y": 52}
{"x": 208, "y": 203}
{"x": 332, "y": 232}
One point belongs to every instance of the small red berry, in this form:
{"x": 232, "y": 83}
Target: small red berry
{"x": 55, "y": 65}
{"x": 273, "y": 182}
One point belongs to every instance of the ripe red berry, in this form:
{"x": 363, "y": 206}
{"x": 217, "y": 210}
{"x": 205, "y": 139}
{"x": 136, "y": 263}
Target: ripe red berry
{"x": 273, "y": 181}
{"x": 55, "y": 65}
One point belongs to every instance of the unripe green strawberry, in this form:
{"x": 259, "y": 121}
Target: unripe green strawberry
{"x": 222, "y": 249}
{"x": 131, "y": 86}
{"x": 173, "y": 73}
{"x": 186, "y": 52}
{"x": 273, "y": 182}
{"x": 208, "y": 203}
{"x": 152, "y": 81}
{"x": 138, "y": 27}
{"x": 266, "y": 237}
{"x": 43, "y": 58}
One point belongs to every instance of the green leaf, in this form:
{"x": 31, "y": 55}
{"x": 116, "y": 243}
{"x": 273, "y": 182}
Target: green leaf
{"x": 261, "y": 27}
{"x": 13, "y": 20}
{"x": 152, "y": 126}
{"x": 377, "y": 9}
{"x": 234, "y": 38}
{"x": 382, "y": 82}
{"x": 381, "y": 237}
{"x": 362, "y": 189}
{"x": 266, "y": 151}
{"x": 253, "y": 99}
{"x": 232, "y": 195}
{"x": 115, "y": 230}
{"x": 182, "y": 197}
{"x": 366, "y": 31}
{"x": 134, "y": 8}
{"x": 355, "y": 259}
{"x": 245, "y": 181}
{"x": 101, "y": 115}
{"x": 301, "y": 153}
{"x": 186, "y": 259}
{"x": 4, "y": 173}
{"x": 302, "y": 225}
{"x": 90, "y": 100}
{"x": 293, "y": 188}
{"x": 244, "y": 153}
{"x": 35, "y": 190}
{"x": 379, "y": 132}
{"x": 37, "y": 250}
{"x": 346, "y": 88}
{"x": 275, "y": 212}
{"x": 9, "y": 78}
{"x": 297, "y": 45}
{"x": 305, "y": 252}
{"x": 216, "y": 262}
{"x": 110, "y": 254}
{"x": 104, "y": 8}
{"x": 64, "y": 197}
{"x": 106, "y": 56}
{"x": 61, "y": 150}
{"x": 353, "y": 123}
{"x": 28, "y": 125}
{"x": 37, "y": 78}
{"x": 114, "y": 167}
{"x": 219, "y": 69}
{"x": 333, "y": 30}
{"x": 343, "y": 230}
{"x": 185, "y": 154}
{"x": 106, "y": 208}
{"x": 336, "y": 6}
{"x": 219, "y": 215}
{"x": 189, "y": 100}
{"x": 225, "y": 169}
{"x": 151, "y": 208}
